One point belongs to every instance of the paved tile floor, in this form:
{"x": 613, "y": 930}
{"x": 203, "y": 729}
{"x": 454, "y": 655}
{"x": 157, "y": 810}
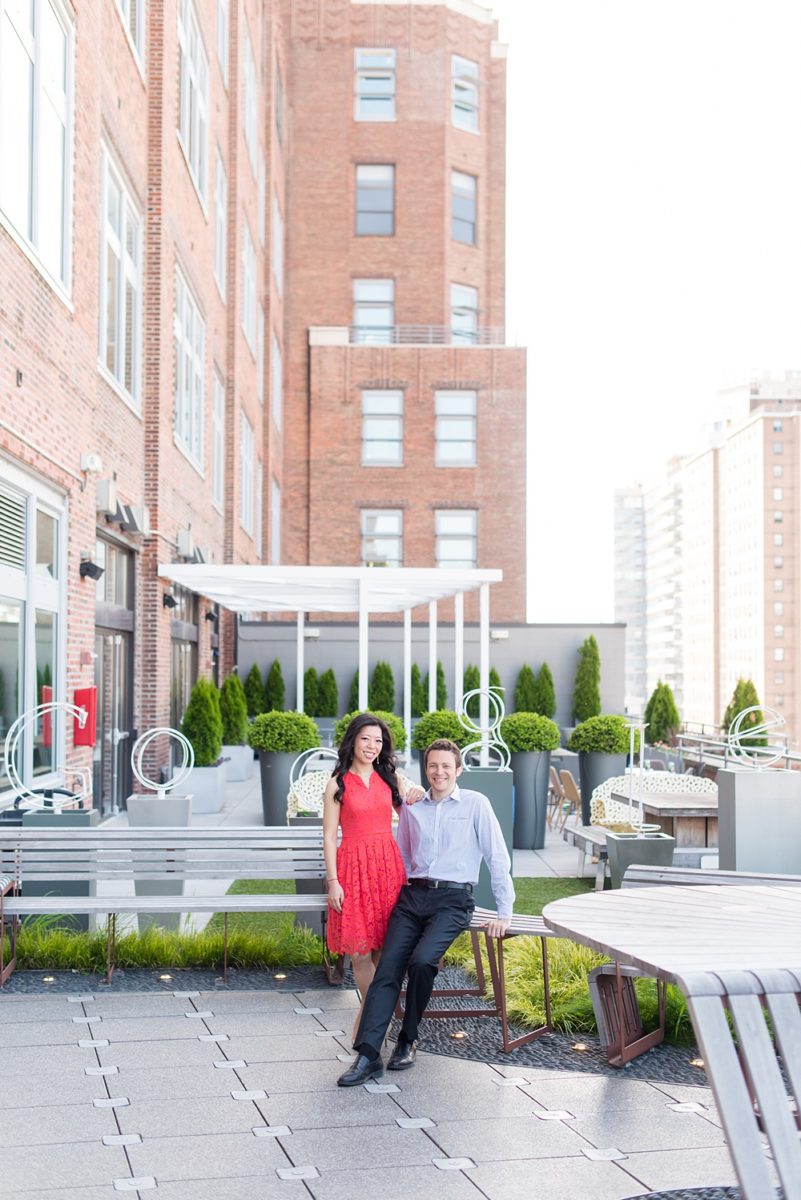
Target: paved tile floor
{"x": 230, "y": 1096}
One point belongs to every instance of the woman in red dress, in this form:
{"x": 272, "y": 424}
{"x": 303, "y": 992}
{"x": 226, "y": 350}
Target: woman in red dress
{"x": 366, "y": 873}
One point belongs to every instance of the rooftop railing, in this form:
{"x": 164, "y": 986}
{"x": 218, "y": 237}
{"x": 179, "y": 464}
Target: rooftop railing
{"x": 425, "y": 335}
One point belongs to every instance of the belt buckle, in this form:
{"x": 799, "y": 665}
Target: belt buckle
{"x": 435, "y": 883}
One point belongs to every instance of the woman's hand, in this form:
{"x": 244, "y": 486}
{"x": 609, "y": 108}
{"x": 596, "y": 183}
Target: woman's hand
{"x": 336, "y": 895}
{"x": 414, "y": 793}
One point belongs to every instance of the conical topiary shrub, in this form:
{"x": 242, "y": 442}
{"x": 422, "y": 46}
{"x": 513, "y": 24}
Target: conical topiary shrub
{"x": 419, "y": 695}
{"x": 274, "y": 689}
{"x": 202, "y": 723}
{"x": 525, "y": 691}
{"x": 254, "y": 691}
{"x": 233, "y": 711}
{"x": 544, "y": 692}
{"x": 745, "y": 696}
{"x": 353, "y": 704}
{"x": 470, "y": 681}
{"x": 311, "y": 690}
{"x": 661, "y": 716}
{"x": 327, "y": 696}
{"x": 381, "y": 693}
{"x": 587, "y": 688}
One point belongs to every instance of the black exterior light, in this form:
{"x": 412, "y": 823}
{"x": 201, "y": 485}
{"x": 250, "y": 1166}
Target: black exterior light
{"x": 169, "y": 601}
{"x": 91, "y": 569}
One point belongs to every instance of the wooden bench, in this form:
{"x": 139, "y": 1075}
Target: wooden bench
{"x": 90, "y": 857}
{"x": 612, "y": 986}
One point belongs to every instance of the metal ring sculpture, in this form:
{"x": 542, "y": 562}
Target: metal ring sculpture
{"x": 187, "y": 763}
{"x": 496, "y": 744}
{"x": 755, "y": 756}
{"x": 298, "y": 768}
{"x": 35, "y": 799}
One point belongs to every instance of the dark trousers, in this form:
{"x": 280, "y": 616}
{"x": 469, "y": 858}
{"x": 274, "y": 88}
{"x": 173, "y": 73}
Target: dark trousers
{"x": 422, "y": 926}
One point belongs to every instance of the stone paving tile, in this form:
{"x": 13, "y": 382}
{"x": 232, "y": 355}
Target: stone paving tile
{"x": 281, "y": 1048}
{"x": 151, "y": 1004}
{"x": 208, "y": 1157}
{"x": 171, "y": 1118}
{"x": 527, "y": 1072}
{"x": 328, "y": 999}
{"x": 244, "y": 1002}
{"x": 339, "y": 1149}
{"x": 25, "y": 1060}
{"x": 41, "y": 1033}
{"x": 249, "y": 1187}
{"x": 44, "y": 1089}
{"x": 280, "y": 1077}
{"x": 667, "y": 1169}
{"x": 553, "y": 1179}
{"x": 148, "y": 1029}
{"x": 351, "y": 1106}
{"x": 683, "y": 1094}
{"x": 596, "y": 1093}
{"x": 630, "y": 1130}
{"x": 178, "y": 1052}
{"x": 55, "y": 1124}
{"x": 146, "y": 1083}
{"x": 261, "y": 1024}
{"x": 103, "y": 1192}
{"x": 55, "y": 1008}
{"x": 511, "y": 1138}
{"x": 70, "y": 1166}
{"x": 446, "y": 1102}
{"x": 397, "y": 1183}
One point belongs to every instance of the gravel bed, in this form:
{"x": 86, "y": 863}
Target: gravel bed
{"x": 708, "y": 1193}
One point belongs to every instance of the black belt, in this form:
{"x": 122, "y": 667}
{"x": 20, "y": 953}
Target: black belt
{"x": 440, "y": 883}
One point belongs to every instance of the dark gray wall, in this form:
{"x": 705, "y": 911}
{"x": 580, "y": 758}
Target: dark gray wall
{"x": 337, "y": 647}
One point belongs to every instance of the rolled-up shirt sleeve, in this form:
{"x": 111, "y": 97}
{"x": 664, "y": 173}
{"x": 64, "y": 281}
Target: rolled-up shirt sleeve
{"x": 496, "y": 856}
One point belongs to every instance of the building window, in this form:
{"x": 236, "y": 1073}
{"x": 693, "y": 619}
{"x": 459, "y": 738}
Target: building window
{"x": 778, "y": 560}
{"x": 778, "y": 654}
{"x": 275, "y": 523}
{"x": 455, "y": 429}
{"x": 778, "y": 608}
{"x": 778, "y": 448}
{"x": 778, "y": 631}
{"x": 220, "y": 225}
{"x": 778, "y": 493}
{"x": 248, "y": 287}
{"x": 778, "y": 539}
{"x": 373, "y": 310}
{"x": 258, "y": 501}
{"x": 278, "y": 245}
{"x": 260, "y": 354}
{"x": 464, "y": 314}
{"x": 778, "y": 516}
{"x": 36, "y": 134}
{"x": 32, "y": 618}
{"x": 456, "y": 537}
{"x": 194, "y": 93}
{"x": 279, "y": 105}
{"x": 246, "y": 443}
{"x": 382, "y": 537}
{"x": 262, "y": 199}
{"x": 249, "y": 101}
{"x": 778, "y": 585}
{"x": 133, "y": 18}
{"x": 382, "y": 429}
{"x": 779, "y": 677}
{"x": 190, "y": 336}
{"x": 120, "y": 282}
{"x": 464, "y": 93}
{"x": 777, "y": 426}
{"x": 374, "y": 85}
{"x": 463, "y": 208}
{"x": 223, "y": 26}
{"x": 276, "y": 383}
{"x": 778, "y": 470}
{"x": 779, "y": 701}
{"x": 375, "y": 200}
{"x": 218, "y": 443}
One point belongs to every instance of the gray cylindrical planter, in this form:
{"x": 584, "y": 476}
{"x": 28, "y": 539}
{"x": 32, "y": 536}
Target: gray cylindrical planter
{"x": 595, "y": 769}
{"x": 530, "y": 769}
{"x": 159, "y": 812}
{"x": 646, "y": 849}
{"x": 275, "y": 769}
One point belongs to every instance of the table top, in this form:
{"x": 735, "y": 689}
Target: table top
{"x": 675, "y": 804}
{"x": 673, "y": 931}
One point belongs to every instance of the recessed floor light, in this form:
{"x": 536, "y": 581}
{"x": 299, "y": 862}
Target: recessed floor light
{"x": 580, "y": 1047}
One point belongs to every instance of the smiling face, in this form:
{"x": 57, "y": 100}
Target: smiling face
{"x": 367, "y": 746}
{"x": 442, "y": 770}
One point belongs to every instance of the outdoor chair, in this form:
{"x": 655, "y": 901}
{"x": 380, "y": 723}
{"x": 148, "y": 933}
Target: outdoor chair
{"x": 558, "y": 803}
{"x": 655, "y": 764}
{"x": 572, "y": 796}
{"x": 604, "y": 810}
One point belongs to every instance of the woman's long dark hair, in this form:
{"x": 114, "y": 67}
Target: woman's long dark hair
{"x": 384, "y": 765}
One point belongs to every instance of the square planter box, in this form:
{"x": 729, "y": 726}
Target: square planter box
{"x": 647, "y": 849}
{"x": 241, "y": 762}
{"x": 206, "y": 785}
{"x": 159, "y": 812}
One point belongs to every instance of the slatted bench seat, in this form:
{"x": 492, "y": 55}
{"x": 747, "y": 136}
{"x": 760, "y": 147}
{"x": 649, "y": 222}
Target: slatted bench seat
{"x": 46, "y": 858}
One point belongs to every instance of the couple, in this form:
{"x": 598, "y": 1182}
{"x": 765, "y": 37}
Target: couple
{"x": 396, "y": 907}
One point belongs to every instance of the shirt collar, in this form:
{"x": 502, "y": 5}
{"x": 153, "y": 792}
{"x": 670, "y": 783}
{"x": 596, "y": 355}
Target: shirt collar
{"x": 455, "y": 795}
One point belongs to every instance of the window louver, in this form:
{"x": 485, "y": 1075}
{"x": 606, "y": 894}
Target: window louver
{"x": 12, "y": 531}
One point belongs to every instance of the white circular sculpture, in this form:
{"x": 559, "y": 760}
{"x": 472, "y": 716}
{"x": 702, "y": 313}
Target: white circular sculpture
{"x": 36, "y": 799}
{"x": 187, "y": 762}
{"x": 755, "y": 756}
{"x": 489, "y": 735}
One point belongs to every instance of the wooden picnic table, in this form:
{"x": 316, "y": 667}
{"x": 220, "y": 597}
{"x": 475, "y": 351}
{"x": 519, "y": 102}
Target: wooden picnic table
{"x": 691, "y": 818}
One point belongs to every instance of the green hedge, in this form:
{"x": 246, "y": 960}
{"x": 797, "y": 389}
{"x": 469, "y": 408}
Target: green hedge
{"x": 283, "y": 733}
{"x": 526, "y": 731}
{"x": 442, "y": 723}
{"x": 602, "y": 735}
{"x": 394, "y": 724}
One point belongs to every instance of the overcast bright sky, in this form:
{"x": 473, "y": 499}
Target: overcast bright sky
{"x": 654, "y": 247}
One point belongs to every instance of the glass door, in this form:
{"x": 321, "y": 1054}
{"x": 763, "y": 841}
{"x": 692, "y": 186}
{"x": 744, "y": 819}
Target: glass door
{"x": 112, "y": 763}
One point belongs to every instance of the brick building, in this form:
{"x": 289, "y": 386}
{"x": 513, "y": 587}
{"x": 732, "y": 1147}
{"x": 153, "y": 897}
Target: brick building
{"x": 240, "y": 318}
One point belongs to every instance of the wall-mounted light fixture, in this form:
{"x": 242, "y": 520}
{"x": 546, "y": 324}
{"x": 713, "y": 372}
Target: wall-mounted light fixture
{"x": 499, "y": 635}
{"x": 168, "y": 600}
{"x": 90, "y": 569}
{"x": 310, "y": 633}
{"x": 210, "y": 615}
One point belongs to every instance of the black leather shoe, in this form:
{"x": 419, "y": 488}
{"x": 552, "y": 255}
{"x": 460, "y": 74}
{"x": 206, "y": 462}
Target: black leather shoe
{"x": 361, "y": 1071}
{"x": 402, "y": 1056}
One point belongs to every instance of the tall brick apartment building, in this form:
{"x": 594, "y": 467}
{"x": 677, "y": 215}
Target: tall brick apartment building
{"x": 251, "y": 309}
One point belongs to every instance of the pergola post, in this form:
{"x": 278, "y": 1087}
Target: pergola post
{"x": 458, "y": 649}
{"x": 407, "y": 679}
{"x": 484, "y": 668}
{"x": 300, "y": 668}
{"x": 363, "y": 641}
{"x": 432, "y": 655}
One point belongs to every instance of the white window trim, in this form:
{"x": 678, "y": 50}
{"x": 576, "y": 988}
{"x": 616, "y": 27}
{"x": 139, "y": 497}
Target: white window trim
{"x": 250, "y": 270}
{"x": 446, "y": 418}
{"x": 221, "y": 173}
{"x": 260, "y": 353}
{"x": 357, "y": 71}
{"x": 224, "y": 7}
{"x": 258, "y": 505}
{"x": 277, "y": 245}
{"x": 276, "y": 392}
{"x": 200, "y": 185}
{"x": 275, "y": 522}
{"x": 383, "y": 464}
{"x": 454, "y": 122}
{"x": 446, "y": 537}
{"x": 247, "y": 455}
{"x": 218, "y": 442}
{"x": 62, "y": 287}
{"x": 250, "y": 99}
{"x": 139, "y": 55}
{"x": 132, "y": 399}
{"x": 364, "y": 536}
{"x": 178, "y": 439}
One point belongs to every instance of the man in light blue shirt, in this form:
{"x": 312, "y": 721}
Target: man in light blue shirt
{"x": 442, "y": 839}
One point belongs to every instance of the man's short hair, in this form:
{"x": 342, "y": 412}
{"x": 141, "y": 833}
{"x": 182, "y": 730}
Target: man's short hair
{"x": 443, "y": 744}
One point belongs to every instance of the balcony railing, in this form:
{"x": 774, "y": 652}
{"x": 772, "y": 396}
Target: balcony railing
{"x": 425, "y": 335}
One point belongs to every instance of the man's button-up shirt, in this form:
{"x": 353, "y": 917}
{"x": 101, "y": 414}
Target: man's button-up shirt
{"x": 446, "y": 839}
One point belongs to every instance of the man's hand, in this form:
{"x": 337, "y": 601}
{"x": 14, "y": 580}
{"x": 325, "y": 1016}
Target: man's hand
{"x": 414, "y": 793}
{"x": 497, "y": 927}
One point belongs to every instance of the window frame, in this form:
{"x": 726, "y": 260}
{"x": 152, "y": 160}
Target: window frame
{"x": 190, "y": 441}
{"x": 136, "y": 42}
{"x": 365, "y": 514}
{"x": 193, "y": 79}
{"x": 220, "y": 225}
{"x": 249, "y": 285}
{"x": 371, "y": 334}
{"x": 467, "y": 336}
{"x": 275, "y": 522}
{"x": 277, "y": 244}
{"x": 459, "y": 103}
{"x": 218, "y": 442}
{"x": 250, "y": 99}
{"x": 444, "y": 420}
{"x": 368, "y": 396}
{"x": 363, "y": 192}
{"x": 441, "y": 538}
{"x": 276, "y": 382}
{"x": 223, "y": 38}
{"x": 462, "y": 193}
{"x": 128, "y": 272}
{"x": 362, "y": 72}
{"x": 247, "y": 456}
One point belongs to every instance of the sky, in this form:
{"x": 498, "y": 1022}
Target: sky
{"x": 653, "y": 248}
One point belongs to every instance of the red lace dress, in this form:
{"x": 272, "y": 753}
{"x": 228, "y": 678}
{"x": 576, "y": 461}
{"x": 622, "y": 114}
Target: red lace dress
{"x": 369, "y": 867}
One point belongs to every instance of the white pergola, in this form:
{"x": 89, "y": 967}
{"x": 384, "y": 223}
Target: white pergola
{"x": 361, "y": 590}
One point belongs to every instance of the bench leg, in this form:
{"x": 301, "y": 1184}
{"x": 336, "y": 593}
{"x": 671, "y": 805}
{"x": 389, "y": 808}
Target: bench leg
{"x": 499, "y": 988}
{"x": 225, "y": 947}
{"x": 7, "y": 968}
{"x": 631, "y": 1041}
{"x": 111, "y": 945}
{"x": 600, "y": 873}
{"x": 582, "y": 860}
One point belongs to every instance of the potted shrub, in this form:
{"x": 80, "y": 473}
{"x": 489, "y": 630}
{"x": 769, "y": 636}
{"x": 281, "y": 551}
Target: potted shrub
{"x": 202, "y": 726}
{"x": 279, "y": 737}
{"x": 254, "y": 691}
{"x": 274, "y": 693}
{"x": 602, "y": 744}
{"x": 327, "y": 706}
{"x": 441, "y": 723}
{"x": 394, "y": 724}
{"x": 234, "y": 713}
{"x": 530, "y": 738}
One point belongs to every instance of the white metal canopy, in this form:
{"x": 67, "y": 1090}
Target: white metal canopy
{"x": 362, "y": 590}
